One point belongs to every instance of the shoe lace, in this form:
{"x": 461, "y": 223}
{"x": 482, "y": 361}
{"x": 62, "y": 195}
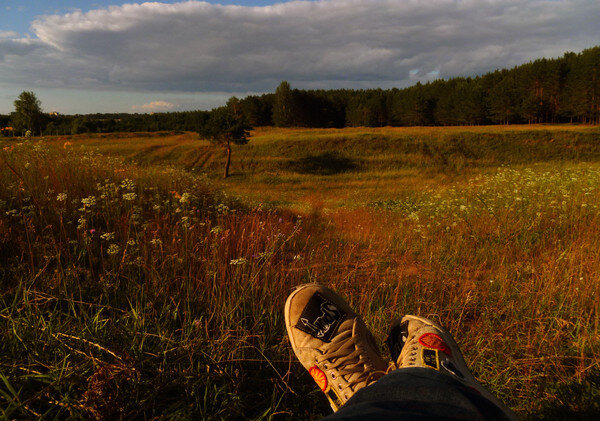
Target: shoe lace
{"x": 343, "y": 356}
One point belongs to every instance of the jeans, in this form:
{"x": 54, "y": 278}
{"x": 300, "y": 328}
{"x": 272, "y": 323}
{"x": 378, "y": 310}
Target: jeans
{"x": 418, "y": 394}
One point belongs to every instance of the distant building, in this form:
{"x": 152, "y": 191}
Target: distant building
{"x": 54, "y": 113}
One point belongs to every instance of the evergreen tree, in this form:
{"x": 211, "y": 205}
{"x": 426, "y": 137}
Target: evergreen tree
{"x": 504, "y": 100}
{"x": 283, "y": 106}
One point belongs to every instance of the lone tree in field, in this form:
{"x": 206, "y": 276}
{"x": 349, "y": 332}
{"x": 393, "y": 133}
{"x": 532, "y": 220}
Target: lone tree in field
{"x": 28, "y": 112}
{"x": 224, "y": 127}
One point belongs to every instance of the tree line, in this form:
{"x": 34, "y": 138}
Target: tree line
{"x": 562, "y": 90}
{"x": 565, "y": 89}
{"x": 50, "y": 125}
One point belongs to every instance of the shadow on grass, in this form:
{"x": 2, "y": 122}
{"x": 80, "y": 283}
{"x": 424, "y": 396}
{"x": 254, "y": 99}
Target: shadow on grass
{"x": 574, "y": 400}
{"x": 324, "y": 163}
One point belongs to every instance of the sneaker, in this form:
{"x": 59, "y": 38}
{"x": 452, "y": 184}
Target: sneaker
{"x": 418, "y": 342}
{"x": 332, "y": 343}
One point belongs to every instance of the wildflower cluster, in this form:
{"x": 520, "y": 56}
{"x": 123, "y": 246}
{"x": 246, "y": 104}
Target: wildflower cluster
{"x": 530, "y": 192}
{"x": 88, "y": 202}
{"x": 99, "y": 211}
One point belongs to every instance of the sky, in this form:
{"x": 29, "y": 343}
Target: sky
{"x": 113, "y": 56}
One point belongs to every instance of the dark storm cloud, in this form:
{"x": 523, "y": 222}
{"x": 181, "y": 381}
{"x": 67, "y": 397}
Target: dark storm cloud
{"x": 197, "y": 46}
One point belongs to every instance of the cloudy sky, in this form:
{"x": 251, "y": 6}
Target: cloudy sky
{"x": 83, "y": 56}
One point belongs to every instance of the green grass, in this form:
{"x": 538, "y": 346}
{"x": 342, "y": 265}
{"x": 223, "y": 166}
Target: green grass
{"x": 301, "y": 168}
{"x": 162, "y": 296}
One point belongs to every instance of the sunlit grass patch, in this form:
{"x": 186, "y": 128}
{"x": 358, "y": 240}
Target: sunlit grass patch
{"x": 135, "y": 284}
{"x": 563, "y": 191}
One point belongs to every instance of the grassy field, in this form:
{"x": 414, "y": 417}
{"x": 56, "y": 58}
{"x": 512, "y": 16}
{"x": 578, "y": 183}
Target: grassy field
{"x": 137, "y": 284}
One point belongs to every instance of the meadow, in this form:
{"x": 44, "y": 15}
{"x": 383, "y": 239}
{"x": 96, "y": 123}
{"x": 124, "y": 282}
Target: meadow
{"x": 138, "y": 284}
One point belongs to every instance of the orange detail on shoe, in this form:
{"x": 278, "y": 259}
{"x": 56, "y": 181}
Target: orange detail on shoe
{"x": 434, "y": 341}
{"x": 319, "y": 376}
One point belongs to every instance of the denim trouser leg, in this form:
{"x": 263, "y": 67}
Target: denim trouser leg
{"x": 418, "y": 394}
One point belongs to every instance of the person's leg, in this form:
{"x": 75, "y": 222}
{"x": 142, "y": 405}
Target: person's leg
{"x": 418, "y": 394}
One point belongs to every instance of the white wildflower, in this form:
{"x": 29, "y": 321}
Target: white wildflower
{"x": 127, "y": 184}
{"x": 238, "y": 262}
{"x": 113, "y": 249}
{"x": 88, "y": 201}
{"x": 108, "y": 236}
{"x": 185, "y": 197}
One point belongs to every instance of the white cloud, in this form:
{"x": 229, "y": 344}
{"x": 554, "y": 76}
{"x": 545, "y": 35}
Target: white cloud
{"x": 8, "y": 34}
{"x": 196, "y": 46}
{"x": 155, "y": 106}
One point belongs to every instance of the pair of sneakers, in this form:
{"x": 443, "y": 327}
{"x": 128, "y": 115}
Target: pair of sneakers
{"x": 334, "y": 345}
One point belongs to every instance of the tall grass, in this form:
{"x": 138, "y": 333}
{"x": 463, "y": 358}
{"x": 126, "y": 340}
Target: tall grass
{"x": 135, "y": 291}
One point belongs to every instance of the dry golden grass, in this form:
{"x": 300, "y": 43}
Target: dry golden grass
{"x": 170, "y": 305}
{"x": 270, "y": 133}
